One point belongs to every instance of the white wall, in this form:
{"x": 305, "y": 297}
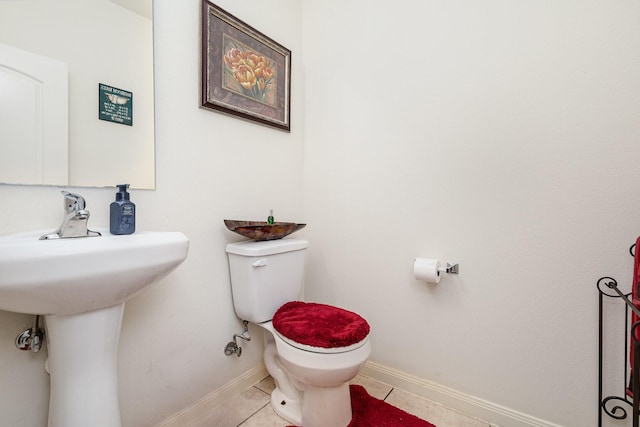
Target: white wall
{"x": 500, "y": 135}
{"x": 497, "y": 134}
{"x": 209, "y": 167}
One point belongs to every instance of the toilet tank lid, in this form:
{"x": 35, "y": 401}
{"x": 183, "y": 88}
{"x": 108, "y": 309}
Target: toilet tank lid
{"x": 268, "y": 247}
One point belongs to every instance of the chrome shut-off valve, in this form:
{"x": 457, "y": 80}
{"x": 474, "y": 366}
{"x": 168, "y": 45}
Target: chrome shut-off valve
{"x": 232, "y": 347}
{"x": 31, "y": 338}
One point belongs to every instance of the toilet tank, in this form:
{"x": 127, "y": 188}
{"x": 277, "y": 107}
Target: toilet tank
{"x": 265, "y": 275}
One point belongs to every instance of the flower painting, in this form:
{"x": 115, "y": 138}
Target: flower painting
{"x": 244, "y": 73}
{"x": 248, "y": 73}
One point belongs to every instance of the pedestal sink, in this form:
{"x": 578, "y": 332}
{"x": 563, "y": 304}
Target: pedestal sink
{"x": 81, "y": 286}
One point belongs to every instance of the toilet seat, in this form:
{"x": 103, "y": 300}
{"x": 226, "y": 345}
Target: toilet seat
{"x": 320, "y": 328}
{"x": 322, "y": 350}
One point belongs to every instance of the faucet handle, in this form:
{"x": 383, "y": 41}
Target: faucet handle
{"x": 73, "y": 202}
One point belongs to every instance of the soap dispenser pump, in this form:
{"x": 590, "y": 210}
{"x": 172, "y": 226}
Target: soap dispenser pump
{"x": 123, "y": 212}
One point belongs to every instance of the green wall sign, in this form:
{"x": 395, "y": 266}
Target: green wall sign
{"x": 115, "y": 105}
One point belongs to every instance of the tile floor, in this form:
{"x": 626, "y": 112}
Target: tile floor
{"x": 252, "y": 407}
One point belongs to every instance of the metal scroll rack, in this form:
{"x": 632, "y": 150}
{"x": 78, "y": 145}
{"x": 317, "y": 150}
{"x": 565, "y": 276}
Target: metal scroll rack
{"x": 616, "y": 406}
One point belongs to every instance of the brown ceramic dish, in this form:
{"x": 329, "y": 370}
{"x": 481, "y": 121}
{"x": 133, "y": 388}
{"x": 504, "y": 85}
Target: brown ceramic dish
{"x": 261, "y": 230}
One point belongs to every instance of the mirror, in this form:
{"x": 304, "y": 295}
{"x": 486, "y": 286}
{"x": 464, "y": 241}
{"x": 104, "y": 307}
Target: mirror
{"x": 105, "y": 49}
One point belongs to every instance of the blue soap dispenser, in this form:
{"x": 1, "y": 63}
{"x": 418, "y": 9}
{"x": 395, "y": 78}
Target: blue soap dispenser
{"x": 123, "y": 212}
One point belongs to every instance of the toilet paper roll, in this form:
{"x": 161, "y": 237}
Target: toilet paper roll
{"x": 427, "y": 270}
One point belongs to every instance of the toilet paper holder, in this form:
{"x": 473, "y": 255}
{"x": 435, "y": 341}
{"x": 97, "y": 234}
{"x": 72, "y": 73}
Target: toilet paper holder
{"x": 431, "y": 270}
{"x": 450, "y": 269}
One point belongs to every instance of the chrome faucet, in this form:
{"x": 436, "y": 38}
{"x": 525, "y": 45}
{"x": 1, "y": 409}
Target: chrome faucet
{"x": 74, "y": 223}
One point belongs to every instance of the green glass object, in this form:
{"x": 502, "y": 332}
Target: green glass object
{"x": 270, "y": 220}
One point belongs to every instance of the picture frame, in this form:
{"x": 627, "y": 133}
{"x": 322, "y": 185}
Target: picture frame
{"x": 244, "y": 73}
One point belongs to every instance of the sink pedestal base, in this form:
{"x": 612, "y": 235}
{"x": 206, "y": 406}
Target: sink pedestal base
{"x": 83, "y": 356}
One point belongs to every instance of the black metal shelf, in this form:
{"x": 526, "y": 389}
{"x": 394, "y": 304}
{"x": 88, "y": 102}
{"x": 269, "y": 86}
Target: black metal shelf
{"x": 616, "y": 406}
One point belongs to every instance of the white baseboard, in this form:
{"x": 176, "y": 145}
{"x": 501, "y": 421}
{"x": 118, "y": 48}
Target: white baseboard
{"x": 215, "y": 398}
{"x": 495, "y": 414}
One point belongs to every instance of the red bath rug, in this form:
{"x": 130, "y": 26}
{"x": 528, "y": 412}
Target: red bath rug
{"x": 371, "y": 412}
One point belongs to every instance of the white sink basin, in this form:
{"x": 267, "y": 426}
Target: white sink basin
{"x": 81, "y": 286}
{"x": 77, "y": 275}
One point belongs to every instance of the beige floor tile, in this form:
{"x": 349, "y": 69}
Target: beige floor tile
{"x": 375, "y": 388}
{"x": 431, "y": 411}
{"x": 266, "y": 417}
{"x": 267, "y": 385}
{"x": 235, "y": 410}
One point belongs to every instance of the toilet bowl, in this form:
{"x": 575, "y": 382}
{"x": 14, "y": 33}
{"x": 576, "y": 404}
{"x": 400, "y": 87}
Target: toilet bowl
{"x": 312, "y": 350}
{"x": 312, "y": 388}
{"x": 312, "y": 383}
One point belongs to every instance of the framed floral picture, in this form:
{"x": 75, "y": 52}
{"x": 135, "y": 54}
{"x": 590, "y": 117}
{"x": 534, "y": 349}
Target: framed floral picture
{"x": 244, "y": 73}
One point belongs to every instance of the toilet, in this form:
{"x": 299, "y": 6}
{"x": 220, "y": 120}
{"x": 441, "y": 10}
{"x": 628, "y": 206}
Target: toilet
{"x": 312, "y": 350}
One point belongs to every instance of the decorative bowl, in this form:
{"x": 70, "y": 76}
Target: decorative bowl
{"x": 262, "y": 230}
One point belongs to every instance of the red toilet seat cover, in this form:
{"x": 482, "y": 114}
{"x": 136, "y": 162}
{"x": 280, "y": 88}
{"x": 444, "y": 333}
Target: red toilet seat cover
{"x": 319, "y": 325}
